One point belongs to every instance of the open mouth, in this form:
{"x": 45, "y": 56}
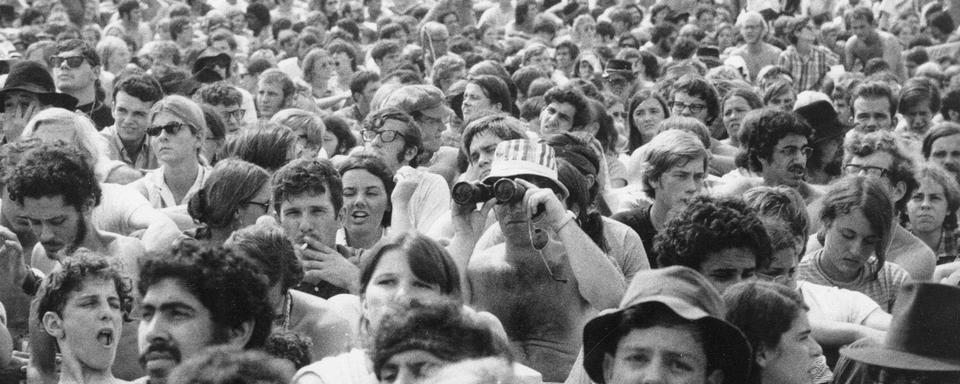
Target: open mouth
{"x": 105, "y": 337}
{"x": 360, "y": 215}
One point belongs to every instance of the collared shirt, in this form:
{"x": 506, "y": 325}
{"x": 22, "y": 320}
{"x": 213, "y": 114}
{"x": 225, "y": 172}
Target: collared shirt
{"x": 145, "y": 160}
{"x": 155, "y": 188}
{"x": 807, "y": 70}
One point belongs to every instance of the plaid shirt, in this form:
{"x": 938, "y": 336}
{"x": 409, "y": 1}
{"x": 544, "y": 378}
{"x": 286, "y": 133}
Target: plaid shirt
{"x": 807, "y": 70}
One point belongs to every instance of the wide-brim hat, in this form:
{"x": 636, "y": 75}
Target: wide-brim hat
{"x": 686, "y": 293}
{"x": 29, "y": 76}
{"x": 923, "y": 334}
{"x": 824, "y": 120}
{"x": 521, "y": 157}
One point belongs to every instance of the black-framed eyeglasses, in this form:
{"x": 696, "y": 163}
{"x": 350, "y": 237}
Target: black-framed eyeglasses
{"x": 264, "y": 205}
{"x": 385, "y": 136}
{"x": 72, "y": 61}
{"x": 680, "y": 106}
{"x": 868, "y": 170}
{"x": 236, "y": 114}
{"x": 172, "y": 128}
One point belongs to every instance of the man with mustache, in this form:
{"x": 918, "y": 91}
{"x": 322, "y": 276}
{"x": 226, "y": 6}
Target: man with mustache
{"x": 55, "y": 190}
{"x": 193, "y": 298}
{"x": 775, "y": 145}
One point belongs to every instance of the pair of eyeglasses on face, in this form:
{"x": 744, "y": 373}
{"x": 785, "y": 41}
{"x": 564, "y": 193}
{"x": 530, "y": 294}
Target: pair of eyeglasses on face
{"x": 866, "y": 170}
{"x": 680, "y": 106}
{"x": 265, "y": 205}
{"x": 72, "y": 61}
{"x": 172, "y": 128}
{"x": 236, "y": 114}
{"x": 792, "y": 151}
{"x": 385, "y": 136}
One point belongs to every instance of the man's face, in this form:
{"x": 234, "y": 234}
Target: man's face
{"x": 392, "y": 152}
{"x": 482, "y": 149}
{"x": 16, "y": 103}
{"x": 659, "y": 354}
{"x": 877, "y": 164}
{"x": 390, "y": 61}
{"x": 557, "y": 117}
{"x": 872, "y": 114}
{"x": 58, "y": 226}
{"x": 232, "y": 116}
{"x": 678, "y": 184}
{"x": 617, "y": 85}
{"x": 310, "y": 214}
{"x": 132, "y": 117}
{"x": 368, "y": 92}
{"x": 174, "y": 326}
{"x": 270, "y": 98}
{"x": 787, "y": 164}
{"x": 431, "y": 128}
{"x": 945, "y": 152}
{"x": 752, "y": 30}
{"x": 861, "y": 28}
{"x": 684, "y": 104}
{"x": 91, "y": 322}
{"x": 919, "y": 117}
{"x": 341, "y": 63}
{"x": 134, "y": 16}
{"x": 564, "y": 58}
{"x": 79, "y": 78}
{"x": 728, "y": 267}
{"x": 706, "y": 21}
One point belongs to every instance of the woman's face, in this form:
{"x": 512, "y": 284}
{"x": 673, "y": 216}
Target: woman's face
{"x": 322, "y": 69}
{"x": 248, "y": 211}
{"x": 733, "y": 111}
{"x": 849, "y": 242}
{"x": 341, "y": 63}
{"x": 646, "y": 117}
{"x": 492, "y": 36}
{"x": 91, "y": 37}
{"x": 365, "y": 201}
{"x": 330, "y": 143}
{"x": 790, "y": 360}
{"x": 476, "y": 104}
{"x": 587, "y": 30}
{"x": 586, "y": 70}
{"x": 783, "y": 101}
{"x": 119, "y": 59}
{"x": 927, "y": 208}
{"x": 392, "y": 279}
{"x": 725, "y": 38}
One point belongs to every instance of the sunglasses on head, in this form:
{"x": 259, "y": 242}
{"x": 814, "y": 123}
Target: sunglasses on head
{"x": 72, "y": 61}
{"x": 172, "y": 128}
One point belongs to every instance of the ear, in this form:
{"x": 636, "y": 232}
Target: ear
{"x": 899, "y": 190}
{"x": 715, "y": 377}
{"x": 239, "y": 336}
{"x": 953, "y": 115}
{"x": 591, "y": 179}
{"x": 53, "y": 324}
{"x": 409, "y": 153}
{"x": 608, "y": 368}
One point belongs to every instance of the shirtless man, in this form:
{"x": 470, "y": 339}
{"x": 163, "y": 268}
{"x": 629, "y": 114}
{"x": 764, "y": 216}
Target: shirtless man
{"x": 55, "y": 190}
{"x": 756, "y": 52}
{"x": 542, "y": 298}
{"x": 868, "y": 42}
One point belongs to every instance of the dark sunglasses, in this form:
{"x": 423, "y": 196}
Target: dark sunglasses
{"x": 72, "y": 61}
{"x": 172, "y": 128}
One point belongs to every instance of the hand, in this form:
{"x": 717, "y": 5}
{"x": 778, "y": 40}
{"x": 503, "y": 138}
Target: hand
{"x": 12, "y": 264}
{"x": 469, "y": 221}
{"x": 322, "y": 263}
{"x": 407, "y": 180}
{"x": 14, "y": 121}
{"x": 543, "y": 205}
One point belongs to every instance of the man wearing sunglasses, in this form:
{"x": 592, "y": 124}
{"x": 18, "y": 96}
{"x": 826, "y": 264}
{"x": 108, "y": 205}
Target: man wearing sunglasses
{"x": 420, "y": 197}
{"x": 881, "y": 154}
{"x": 76, "y": 70}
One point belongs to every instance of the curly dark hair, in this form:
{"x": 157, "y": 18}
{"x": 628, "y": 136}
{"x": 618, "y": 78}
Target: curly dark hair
{"x": 698, "y": 86}
{"x": 707, "y": 226}
{"x": 56, "y": 170}
{"x": 268, "y": 246}
{"x": 437, "y": 326}
{"x": 762, "y": 129}
{"x": 902, "y": 170}
{"x": 224, "y": 365}
{"x": 220, "y": 93}
{"x": 315, "y": 176}
{"x": 230, "y": 286}
{"x": 573, "y": 96}
{"x": 81, "y": 266}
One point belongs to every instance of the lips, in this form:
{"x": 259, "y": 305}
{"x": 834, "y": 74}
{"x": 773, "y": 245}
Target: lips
{"x": 106, "y": 337}
{"x": 798, "y": 171}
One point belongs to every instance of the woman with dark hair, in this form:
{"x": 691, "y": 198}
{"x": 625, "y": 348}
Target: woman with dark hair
{"x": 367, "y": 185}
{"x": 773, "y": 317}
{"x": 647, "y": 109}
{"x": 337, "y": 139}
{"x": 857, "y": 220}
{"x": 399, "y": 268}
{"x": 486, "y": 95}
{"x": 234, "y": 195}
{"x": 932, "y": 211}
{"x": 269, "y": 145}
{"x": 734, "y": 107}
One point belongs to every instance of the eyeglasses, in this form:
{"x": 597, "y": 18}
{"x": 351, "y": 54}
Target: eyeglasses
{"x": 172, "y": 128}
{"x": 264, "y": 205}
{"x": 792, "y": 151}
{"x": 72, "y": 61}
{"x": 236, "y": 114}
{"x": 680, "y": 106}
{"x": 385, "y": 136}
{"x": 853, "y": 169}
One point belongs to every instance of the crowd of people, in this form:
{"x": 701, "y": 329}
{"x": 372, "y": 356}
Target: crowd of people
{"x": 479, "y": 191}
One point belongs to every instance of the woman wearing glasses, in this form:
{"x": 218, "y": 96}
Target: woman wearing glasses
{"x": 234, "y": 195}
{"x": 857, "y": 223}
{"x": 177, "y": 133}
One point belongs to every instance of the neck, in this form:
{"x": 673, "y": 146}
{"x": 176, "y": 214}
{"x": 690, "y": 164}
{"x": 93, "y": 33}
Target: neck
{"x": 755, "y": 46}
{"x": 182, "y": 173}
{"x": 220, "y": 235}
{"x": 72, "y": 371}
{"x": 659, "y": 212}
{"x": 93, "y": 240}
{"x": 803, "y": 47}
{"x": 133, "y": 146}
{"x": 831, "y": 270}
{"x": 85, "y": 95}
{"x": 363, "y": 239}
{"x": 931, "y": 239}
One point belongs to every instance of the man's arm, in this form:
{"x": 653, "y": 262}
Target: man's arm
{"x": 848, "y": 57}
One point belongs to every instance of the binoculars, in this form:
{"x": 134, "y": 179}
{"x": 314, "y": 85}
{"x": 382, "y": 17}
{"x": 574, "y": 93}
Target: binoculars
{"x": 472, "y": 192}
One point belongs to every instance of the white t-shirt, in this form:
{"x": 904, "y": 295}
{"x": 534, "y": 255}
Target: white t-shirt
{"x": 429, "y": 202}
{"x": 836, "y": 304}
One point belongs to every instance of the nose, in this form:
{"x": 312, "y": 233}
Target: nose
{"x": 857, "y": 248}
{"x": 815, "y": 349}
{"x": 404, "y": 376}
{"x": 151, "y": 330}
{"x": 655, "y": 372}
{"x": 46, "y": 232}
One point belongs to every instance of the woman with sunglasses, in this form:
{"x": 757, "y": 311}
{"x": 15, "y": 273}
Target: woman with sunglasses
{"x": 177, "y": 133}
{"x": 234, "y": 195}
